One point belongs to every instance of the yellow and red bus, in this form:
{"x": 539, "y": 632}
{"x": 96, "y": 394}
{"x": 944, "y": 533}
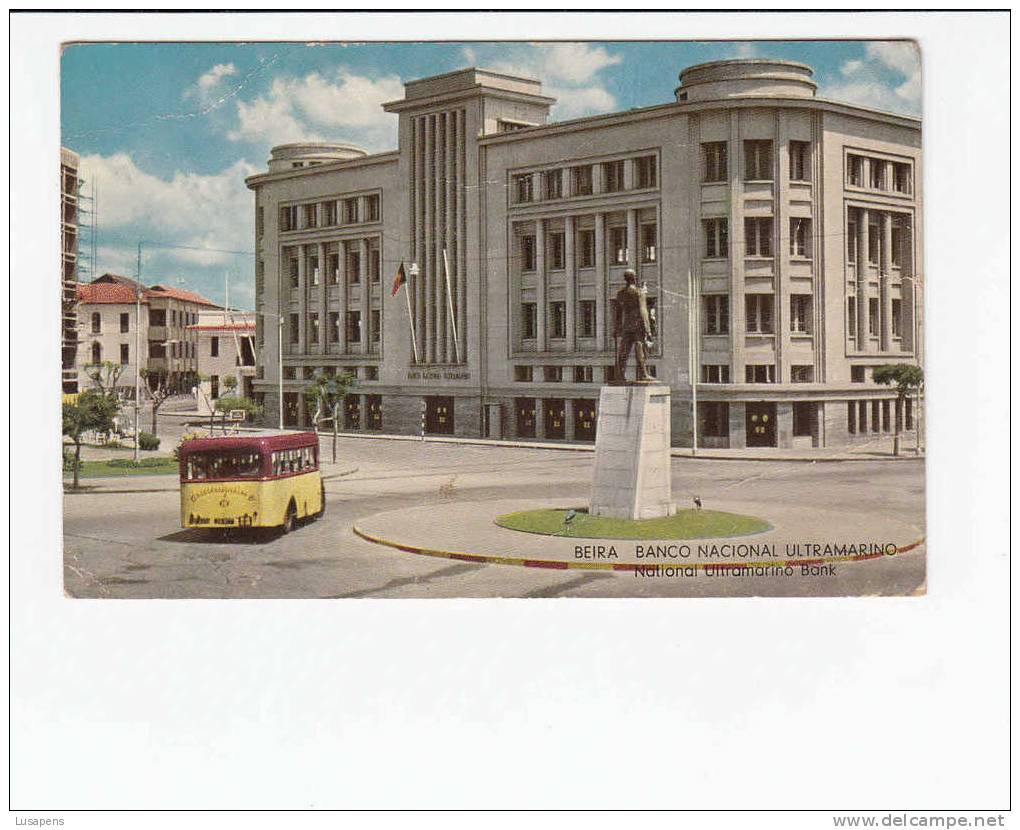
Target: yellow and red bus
{"x": 259, "y": 480}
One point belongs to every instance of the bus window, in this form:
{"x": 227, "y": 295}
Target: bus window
{"x": 223, "y": 465}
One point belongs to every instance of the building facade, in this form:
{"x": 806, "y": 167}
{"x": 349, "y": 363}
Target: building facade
{"x": 225, "y": 345}
{"x": 112, "y": 308}
{"x": 69, "y": 165}
{"x": 795, "y": 219}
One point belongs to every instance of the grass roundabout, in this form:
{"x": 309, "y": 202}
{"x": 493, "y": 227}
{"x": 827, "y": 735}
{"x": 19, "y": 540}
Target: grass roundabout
{"x": 686, "y": 524}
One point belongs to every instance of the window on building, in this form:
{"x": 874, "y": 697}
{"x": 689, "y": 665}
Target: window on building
{"x": 295, "y": 272}
{"x": 295, "y": 329}
{"x": 800, "y": 161}
{"x": 523, "y": 374}
{"x": 901, "y": 177}
{"x": 552, "y": 374}
{"x": 312, "y": 268}
{"x": 857, "y": 374}
{"x": 125, "y": 322}
{"x": 260, "y": 279}
{"x": 759, "y": 313}
{"x": 125, "y": 354}
{"x": 587, "y": 318}
{"x": 529, "y": 258}
{"x": 800, "y": 313}
{"x": 805, "y": 416}
{"x": 333, "y": 269}
{"x": 714, "y": 165}
{"x": 851, "y": 241}
{"x": 851, "y": 316}
{"x": 898, "y": 237}
{"x": 855, "y": 170}
{"x": 289, "y": 218}
{"x": 715, "y": 373}
{"x": 376, "y": 325}
{"x": 896, "y": 318}
{"x": 333, "y": 332}
{"x": 872, "y": 315}
{"x": 157, "y": 317}
{"x": 522, "y": 188}
{"x": 214, "y": 386}
{"x": 612, "y": 176}
{"x": 581, "y": 180}
{"x": 802, "y": 374}
{"x": 714, "y": 418}
{"x": 214, "y": 347}
{"x": 618, "y": 245}
{"x": 313, "y": 327}
{"x": 758, "y": 236}
{"x": 759, "y": 373}
{"x": 645, "y": 172}
{"x": 371, "y": 373}
{"x": 353, "y": 267}
{"x": 716, "y": 313}
{"x": 758, "y": 161}
{"x": 157, "y": 349}
{"x": 374, "y": 264}
{"x": 649, "y": 240}
{"x": 552, "y": 184}
{"x": 557, "y": 251}
{"x": 97, "y": 323}
{"x": 851, "y": 417}
{"x": 717, "y": 237}
{"x": 586, "y": 248}
{"x": 350, "y": 211}
{"x": 372, "y": 212}
{"x": 877, "y": 181}
{"x": 874, "y": 248}
{"x": 584, "y": 374}
{"x": 329, "y": 213}
{"x": 311, "y": 215}
{"x": 800, "y": 237}
{"x": 529, "y": 321}
{"x": 558, "y": 319}
{"x": 353, "y": 326}
{"x": 653, "y": 315}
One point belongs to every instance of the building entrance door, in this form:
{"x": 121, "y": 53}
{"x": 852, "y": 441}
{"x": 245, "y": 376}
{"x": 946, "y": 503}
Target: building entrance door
{"x": 555, "y": 418}
{"x": 584, "y": 419}
{"x": 439, "y": 415}
{"x": 761, "y": 424}
{"x": 290, "y": 409}
{"x": 352, "y": 413}
{"x": 525, "y": 408}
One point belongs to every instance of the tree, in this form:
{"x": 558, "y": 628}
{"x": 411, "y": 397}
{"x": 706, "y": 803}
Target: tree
{"x": 226, "y": 403}
{"x": 906, "y": 378}
{"x": 159, "y": 390}
{"x": 104, "y": 376}
{"x": 230, "y": 384}
{"x": 325, "y": 395}
{"x": 92, "y": 412}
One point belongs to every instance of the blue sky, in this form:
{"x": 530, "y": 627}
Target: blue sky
{"x": 169, "y": 131}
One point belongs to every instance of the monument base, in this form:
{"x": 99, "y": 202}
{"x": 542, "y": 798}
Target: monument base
{"x": 632, "y": 474}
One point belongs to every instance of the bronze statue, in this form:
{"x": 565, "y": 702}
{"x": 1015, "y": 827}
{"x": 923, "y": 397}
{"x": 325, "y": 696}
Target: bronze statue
{"x": 632, "y": 327}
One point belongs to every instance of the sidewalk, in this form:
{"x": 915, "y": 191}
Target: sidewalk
{"x": 168, "y": 483}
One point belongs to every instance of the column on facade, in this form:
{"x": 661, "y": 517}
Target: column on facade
{"x": 341, "y": 256}
{"x": 632, "y": 240}
{"x": 601, "y": 339}
{"x": 323, "y": 312}
{"x": 569, "y": 414}
{"x": 366, "y": 296}
{"x": 738, "y": 323}
{"x": 541, "y": 304}
{"x": 461, "y": 217}
{"x": 428, "y": 266}
{"x": 302, "y": 301}
{"x": 417, "y": 232}
{"x": 450, "y": 287}
{"x": 781, "y": 252}
{"x": 439, "y": 224}
{"x": 886, "y": 282}
{"x": 571, "y": 281}
{"x": 862, "y": 279}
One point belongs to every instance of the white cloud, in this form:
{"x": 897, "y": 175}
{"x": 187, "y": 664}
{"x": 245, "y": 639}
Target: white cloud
{"x": 200, "y": 211}
{"x": 344, "y": 106}
{"x": 888, "y": 78}
{"x": 746, "y": 49}
{"x": 209, "y": 82}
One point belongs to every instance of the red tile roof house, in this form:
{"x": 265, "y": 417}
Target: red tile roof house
{"x": 108, "y": 311}
{"x": 226, "y": 348}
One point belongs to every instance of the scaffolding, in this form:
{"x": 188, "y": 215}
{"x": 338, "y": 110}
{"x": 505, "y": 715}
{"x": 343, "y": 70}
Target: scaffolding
{"x": 88, "y": 221}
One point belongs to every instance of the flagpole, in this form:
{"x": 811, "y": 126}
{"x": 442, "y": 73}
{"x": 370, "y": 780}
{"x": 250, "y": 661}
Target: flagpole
{"x": 692, "y": 320}
{"x": 449, "y": 302}
{"x": 410, "y": 315}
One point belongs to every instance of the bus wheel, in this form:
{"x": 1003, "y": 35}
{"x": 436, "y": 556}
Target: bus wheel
{"x": 290, "y": 518}
{"x": 322, "y": 508}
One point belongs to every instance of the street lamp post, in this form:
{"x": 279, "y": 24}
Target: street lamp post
{"x": 138, "y": 335}
{"x": 279, "y": 359}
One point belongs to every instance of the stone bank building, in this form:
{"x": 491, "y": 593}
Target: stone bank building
{"x": 798, "y": 220}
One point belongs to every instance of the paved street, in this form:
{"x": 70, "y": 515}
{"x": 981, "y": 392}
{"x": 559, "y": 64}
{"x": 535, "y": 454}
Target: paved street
{"x": 122, "y": 544}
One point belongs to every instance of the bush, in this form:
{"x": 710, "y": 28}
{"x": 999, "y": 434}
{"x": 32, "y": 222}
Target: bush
{"x": 142, "y": 462}
{"x": 147, "y": 441}
{"x": 69, "y": 461}
{"x": 113, "y": 445}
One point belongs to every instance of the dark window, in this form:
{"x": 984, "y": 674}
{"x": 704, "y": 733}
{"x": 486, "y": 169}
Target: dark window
{"x": 901, "y": 177}
{"x": 313, "y": 268}
{"x": 295, "y": 273}
{"x": 353, "y": 267}
{"x": 649, "y": 239}
{"x": 350, "y": 211}
{"x": 645, "y": 172}
{"x": 329, "y": 213}
{"x": 851, "y": 417}
{"x": 333, "y": 269}
{"x": 313, "y": 327}
{"x": 586, "y": 248}
{"x": 800, "y": 313}
{"x": 872, "y": 315}
{"x": 587, "y": 318}
{"x": 295, "y": 328}
{"x": 715, "y": 419}
{"x": 800, "y": 237}
{"x": 552, "y": 374}
{"x": 715, "y": 166}
{"x": 618, "y": 245}
{"x": 529, "y": 259}
{"x": 800, "y": 161}
{"x": 333, "y": 332}
{"x": 214, "y": 347}
{"x": 896, "y": 316}
{"x": 557, "y": 251}
{"x": 898, "y": 237}
{"x": 715, "y": 373}
{"x": 529, "y": 321}
{"x": 759, "y": 373}
{"x": 717, "y": 313}
{"x": 523, "y": 374}
{"x": 376, "y": 325}
{"x": 874, "y": 252}
{"x": 311, "y": 215}
{"x": 372, "y": 208}
{"x": 125, "y": 354}
{"x": 855, "y": 170}
{"x": 758, "y": 236}
{"x": 653, "y": 317}
{"x": 157, "y": 317}
{"x": 877, "y": 174}
{"x": 583, "y": 374}
{"x": 757, "y": 161}
{"x": 552, "y": 181}
{"x": 717, "y": 240}
{"x": 612, "y": 176}
{"x": 558, "y": 316}
{"x": 374, "y": 264}
{"x": 125, "y": 324}
{"x": 759, "y": 313}
{"x": 857, "y": 374}
{"x": 851, "y": 316}
{"x": 97, "y": 323}
{"x": 802, "y": 374}
{"x": 354, "y": 326}
{"x": 805, "y": 417}
{"x": 522, "y": 188}
{"x": 581, "y": 180}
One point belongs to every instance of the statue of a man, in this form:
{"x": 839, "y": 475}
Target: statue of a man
{"x": 632, "y": 327}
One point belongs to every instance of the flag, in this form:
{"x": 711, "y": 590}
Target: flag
{"x": 398, "y": 280}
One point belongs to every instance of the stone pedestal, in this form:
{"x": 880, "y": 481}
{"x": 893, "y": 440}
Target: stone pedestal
{"x": 631, "y": 479}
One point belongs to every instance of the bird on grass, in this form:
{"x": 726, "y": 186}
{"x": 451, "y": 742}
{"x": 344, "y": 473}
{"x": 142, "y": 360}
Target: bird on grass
{"x": 697, "y": 502}
{"x": 571, "y": 515}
